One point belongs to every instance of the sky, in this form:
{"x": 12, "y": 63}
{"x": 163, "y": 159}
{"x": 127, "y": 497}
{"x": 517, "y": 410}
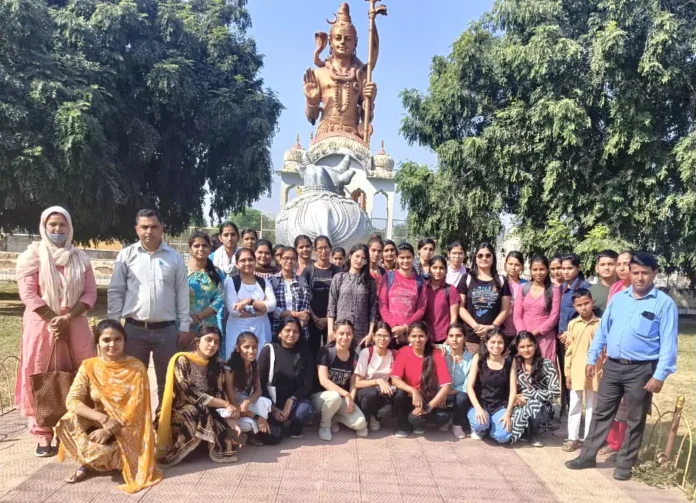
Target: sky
{"x": 410, "y": 35}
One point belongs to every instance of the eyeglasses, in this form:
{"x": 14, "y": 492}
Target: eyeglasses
{"x": 484, "y": 255}
{"x": 323, "y": 248}
{"x": 287, "y": 259}
{"x": 382, "y": 336}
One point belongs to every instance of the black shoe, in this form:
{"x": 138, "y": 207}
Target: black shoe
{"x": 44, "y": 451}
{"x": 620, "y": 474}
{"x": 580, "y": 464}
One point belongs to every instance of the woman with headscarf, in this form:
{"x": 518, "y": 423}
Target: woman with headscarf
{"x": 56, "y": 284}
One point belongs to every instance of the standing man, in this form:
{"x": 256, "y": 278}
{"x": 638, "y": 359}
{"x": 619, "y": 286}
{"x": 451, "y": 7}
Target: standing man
{"x": 639, "y": 331}
{"x": 605, "y": 267}
{"x": 149, "y": 288}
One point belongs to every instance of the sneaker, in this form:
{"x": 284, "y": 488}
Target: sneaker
{"x": 418, "y": 431}
{"x": 362, "y": 433}
{"x": 476, "y": 436}
{"x": 325, "y": 433}
{"x": 335, "y": 428}
{"x": 535, "y": 442}
{"x": 44, "y": 451}
{"x": 445, "y": 427}
{"x": 458, "y": 431}
{"x": 401, "y": 434}
{"x": 296, "y": 435}
{"x": 374, "y": 424}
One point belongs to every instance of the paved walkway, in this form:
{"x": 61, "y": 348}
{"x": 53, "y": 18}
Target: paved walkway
{"x": 381, "y": 468}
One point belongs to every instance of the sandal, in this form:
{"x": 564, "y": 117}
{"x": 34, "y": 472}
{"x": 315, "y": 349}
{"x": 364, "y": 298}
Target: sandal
{"x": 571, "y": 445}
{"x": 79, "y": 475}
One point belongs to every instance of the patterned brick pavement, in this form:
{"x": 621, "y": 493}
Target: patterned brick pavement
{"x": 381, "y": 468}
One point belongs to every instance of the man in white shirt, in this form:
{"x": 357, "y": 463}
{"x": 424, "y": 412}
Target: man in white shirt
{"x": 149, "y": 288}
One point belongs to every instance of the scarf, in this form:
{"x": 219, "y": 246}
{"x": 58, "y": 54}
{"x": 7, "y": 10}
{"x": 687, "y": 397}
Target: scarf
{"x": 44, "y": 257}
{"x": 164, "y": 431}
{"x": 124, "y": 392}
{"x": 223, "y": 261}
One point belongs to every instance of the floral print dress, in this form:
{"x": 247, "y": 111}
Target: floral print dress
{"x": 203, "y": 292}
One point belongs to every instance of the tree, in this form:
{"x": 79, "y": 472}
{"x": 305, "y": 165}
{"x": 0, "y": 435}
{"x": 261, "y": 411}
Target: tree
{"x": 111, "y": 106}
{"x": 567, "y": 113}
{"x": 247, "y": 219}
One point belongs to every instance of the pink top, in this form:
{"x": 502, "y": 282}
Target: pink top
{"x": 401, "y": 304}
{"x": 530, "y": 313}
{"x": 437, "y": 311}
{"x": 616, "y": 288}
{"x": 509, "y": 327}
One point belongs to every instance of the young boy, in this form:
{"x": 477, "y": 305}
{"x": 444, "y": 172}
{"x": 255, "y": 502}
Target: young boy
{"x": 581, "y": 331}
{"x": 605, "y": 267}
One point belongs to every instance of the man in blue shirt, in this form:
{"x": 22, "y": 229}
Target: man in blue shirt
{"x": 639, "y": 332}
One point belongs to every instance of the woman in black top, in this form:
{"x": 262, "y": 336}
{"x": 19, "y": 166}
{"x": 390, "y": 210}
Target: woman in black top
{"x": 485, "y": 297}
{"x": 287, "y": 374}
{"x": 492, "y": 388}
{"x": 318, "y": 276}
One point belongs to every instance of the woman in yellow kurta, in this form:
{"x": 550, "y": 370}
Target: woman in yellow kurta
{"x": 108, "y": 425}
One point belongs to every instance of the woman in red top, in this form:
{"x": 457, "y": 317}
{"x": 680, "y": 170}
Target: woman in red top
{"x": 623, "y": 271}
{"x": 402, "y": 296}
{"x": 442, "y": 304}
{"x": 422, "y": 383}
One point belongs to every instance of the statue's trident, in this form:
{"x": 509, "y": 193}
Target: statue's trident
{"x": 372, "y": 53}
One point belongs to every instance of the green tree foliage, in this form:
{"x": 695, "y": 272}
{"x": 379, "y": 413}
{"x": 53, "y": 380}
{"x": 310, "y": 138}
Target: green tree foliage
{"x": 247, "y": 219}
{"x": 110, "y": 106}
{"x": 576, "y": 116}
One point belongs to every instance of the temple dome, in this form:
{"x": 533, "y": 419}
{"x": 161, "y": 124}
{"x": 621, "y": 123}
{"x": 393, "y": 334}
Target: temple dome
{"x": 383, "y": 161}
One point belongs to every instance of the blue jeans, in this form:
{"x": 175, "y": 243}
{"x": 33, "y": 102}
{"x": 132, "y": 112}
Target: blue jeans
{"x": 493, "y": 426}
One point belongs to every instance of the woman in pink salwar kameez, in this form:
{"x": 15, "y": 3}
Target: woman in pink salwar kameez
{"x": 56, "y": 284}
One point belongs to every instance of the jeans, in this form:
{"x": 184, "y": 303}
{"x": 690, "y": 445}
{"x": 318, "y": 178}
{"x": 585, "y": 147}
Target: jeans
{"x": 492, "y": 426}
{"x": 460, "y": 405}
{"x": 332, "y": 405}
{"x": 301, "y": 415}
{"x": 161, "y": 342}
{"x": 405, "y": 420}
{"x": 373, "y": 403}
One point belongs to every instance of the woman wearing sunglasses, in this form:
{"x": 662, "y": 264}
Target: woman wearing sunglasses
{"x": 485, "y": 297}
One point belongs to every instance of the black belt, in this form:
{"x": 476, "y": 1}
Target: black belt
{"x": 623, "y": 361}
{"x": 154, "y": 325}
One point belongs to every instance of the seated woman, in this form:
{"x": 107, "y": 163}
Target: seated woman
{"x": 287, "y": 371}
{"x": 194, "y": 390}
{"x": 538, "y": 386}
{"x": 336, "y": 393}
{"x": 423, "y": 382}
{"x": 243, "y": 386}
{"x": 115, "y": 431}
{"x": 458, "y": 361}
{"x": 492, "y": 389}
{"x": 372, "y": 374}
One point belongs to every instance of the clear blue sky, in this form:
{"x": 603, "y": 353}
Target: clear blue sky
{"x": 412, "y": 33}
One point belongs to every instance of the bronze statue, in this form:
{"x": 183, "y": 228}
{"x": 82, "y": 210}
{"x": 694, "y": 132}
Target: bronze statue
{"x": 341, "y": 87}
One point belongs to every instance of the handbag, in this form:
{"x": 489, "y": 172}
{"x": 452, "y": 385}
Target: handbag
{"x": 51, "y": 390}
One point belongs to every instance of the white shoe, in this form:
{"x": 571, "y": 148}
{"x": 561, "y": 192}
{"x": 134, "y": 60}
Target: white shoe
{"x": 445, "y": 427}
{"x": 374, "y": 424}
{"x": 335, "y": 428}
{"x": 325, "y": 433}
{"x": 401, "y": 434}
{"x": 418, "y": 431}
{"x": 476, "y": 436}
{"x": 362, "y": 433}
{"x": 458, "y": 431}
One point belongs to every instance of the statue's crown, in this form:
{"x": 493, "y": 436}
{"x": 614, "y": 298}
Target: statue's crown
{"x": 342, "y": 18}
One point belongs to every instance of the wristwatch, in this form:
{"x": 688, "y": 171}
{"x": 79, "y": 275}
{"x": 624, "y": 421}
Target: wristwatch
{"x": 255, "y": 417}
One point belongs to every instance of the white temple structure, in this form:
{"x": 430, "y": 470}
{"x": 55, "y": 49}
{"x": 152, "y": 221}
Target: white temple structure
{"x": 373, "y": 180}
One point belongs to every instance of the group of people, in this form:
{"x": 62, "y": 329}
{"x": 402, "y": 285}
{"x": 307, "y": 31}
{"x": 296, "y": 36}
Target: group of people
{"x": 250, "y": 341}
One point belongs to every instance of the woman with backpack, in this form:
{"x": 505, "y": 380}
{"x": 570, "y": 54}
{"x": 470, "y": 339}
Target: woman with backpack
{"x": 402, "y": 296}
{"x": 537, "y": 309}
{"x": 248, "y": 300}
{"x": 372, "y": 374}
{"x": 291, "y": 292}
{"x": 485, "y": 297}
{"x": 287, "y": 372}
{"x": 353, "y": 297}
